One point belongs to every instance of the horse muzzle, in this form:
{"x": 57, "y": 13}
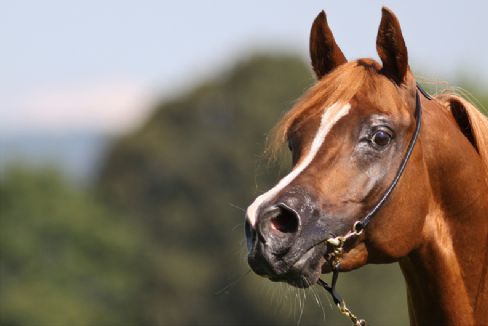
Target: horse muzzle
{"x": 282, "y": 246}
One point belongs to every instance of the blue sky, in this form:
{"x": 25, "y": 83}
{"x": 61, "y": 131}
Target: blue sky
{"x": 99, "y": 65}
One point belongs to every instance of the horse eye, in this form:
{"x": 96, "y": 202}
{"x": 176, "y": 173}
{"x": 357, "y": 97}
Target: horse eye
{"x": 381, "y": 138}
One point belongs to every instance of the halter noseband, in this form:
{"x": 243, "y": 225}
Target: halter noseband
{"x": 337, "y": 243}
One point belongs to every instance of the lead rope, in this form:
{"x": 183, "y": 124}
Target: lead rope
{"x": 337, "y": 243}
{"x": 341, "y": 304}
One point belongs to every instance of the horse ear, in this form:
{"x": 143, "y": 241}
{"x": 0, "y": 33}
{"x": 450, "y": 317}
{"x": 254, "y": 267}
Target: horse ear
{"x": 391, "y": 47}
{"x": 324, "y": 52}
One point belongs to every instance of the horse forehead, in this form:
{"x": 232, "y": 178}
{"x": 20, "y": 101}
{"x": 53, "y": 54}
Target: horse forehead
{"x": 383, "y": 103}
{"x": 363, "y": 106}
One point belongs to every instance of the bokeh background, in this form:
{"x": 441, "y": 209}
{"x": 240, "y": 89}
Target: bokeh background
{"x": 132, "y": 137}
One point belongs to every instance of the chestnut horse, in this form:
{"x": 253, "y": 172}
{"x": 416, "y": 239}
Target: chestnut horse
{"x": 368, "y": 147}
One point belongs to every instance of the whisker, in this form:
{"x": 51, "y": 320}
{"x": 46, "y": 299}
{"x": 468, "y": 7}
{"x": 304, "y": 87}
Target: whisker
{"x": 237, "y": 226}
{"x": 232, "y": 283}
{"x": 318, "y": 301}
{"x": 237, "y": 207}
{"x": 302, "y": 306}
{"x": 285, "y": 298}
{"x": 291, "y": 301}
{"x": 295, "y": 291}
{"x": 242, "y": 252}
{"x": 283, "y": 295}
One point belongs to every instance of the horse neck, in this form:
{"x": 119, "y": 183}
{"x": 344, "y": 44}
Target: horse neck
{"x": 447, "y": 274}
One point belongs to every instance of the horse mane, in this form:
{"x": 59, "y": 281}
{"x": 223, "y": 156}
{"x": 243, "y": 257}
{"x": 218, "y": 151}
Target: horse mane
{"x": 340, "y": 85}
{"x": 472, "y": 122}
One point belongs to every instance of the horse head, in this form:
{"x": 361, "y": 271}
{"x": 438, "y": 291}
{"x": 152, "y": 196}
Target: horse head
{"x": 347, "y": 136}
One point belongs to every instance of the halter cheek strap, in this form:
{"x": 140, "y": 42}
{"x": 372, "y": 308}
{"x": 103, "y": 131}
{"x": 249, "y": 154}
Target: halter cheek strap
{"x": 337, "y": 243}
{"x": 361, "y": 224}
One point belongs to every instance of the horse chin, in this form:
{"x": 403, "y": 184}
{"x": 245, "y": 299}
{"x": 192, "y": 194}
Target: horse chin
{"x": 306, "y": 271}
{"x": 300, "y": 278}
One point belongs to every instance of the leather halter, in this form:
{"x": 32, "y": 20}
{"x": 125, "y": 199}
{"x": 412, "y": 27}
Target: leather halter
{"x": 338, "y": 243}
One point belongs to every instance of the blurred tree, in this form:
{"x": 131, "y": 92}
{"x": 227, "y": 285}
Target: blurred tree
{"x": 183, "y": 174}
{"x": 64, "y": 260}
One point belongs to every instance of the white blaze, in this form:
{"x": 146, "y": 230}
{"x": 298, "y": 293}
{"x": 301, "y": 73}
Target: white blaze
{"x": 329, "y": 118}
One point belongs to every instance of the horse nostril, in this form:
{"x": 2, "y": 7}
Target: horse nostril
{"x": 286, "y": 221}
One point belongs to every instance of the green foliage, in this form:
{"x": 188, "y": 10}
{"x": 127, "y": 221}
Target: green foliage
{"x": 64, "y": 259}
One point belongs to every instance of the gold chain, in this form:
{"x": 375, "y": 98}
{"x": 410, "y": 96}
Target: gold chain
{"x": 337, "y": 245}
{"x": 348, "y": 313}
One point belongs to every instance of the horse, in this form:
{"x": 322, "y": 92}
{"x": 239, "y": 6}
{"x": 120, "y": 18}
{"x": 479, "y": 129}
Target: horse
{"x": 381, "y": 172}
